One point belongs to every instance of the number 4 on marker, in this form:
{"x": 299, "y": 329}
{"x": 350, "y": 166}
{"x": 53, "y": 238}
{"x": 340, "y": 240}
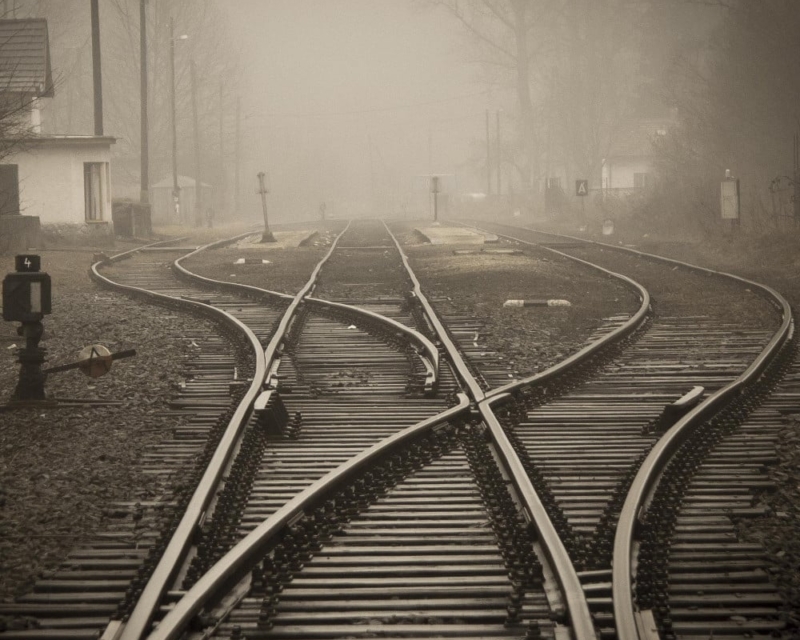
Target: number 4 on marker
{"x": 27, "y": 262}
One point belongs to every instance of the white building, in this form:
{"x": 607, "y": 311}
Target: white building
{"x": 628, "y": 165}
{"x": 57, "y": 178}
{"x": 64, "y": 178}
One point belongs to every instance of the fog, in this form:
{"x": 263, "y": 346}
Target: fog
{"x": 351, "y": 102}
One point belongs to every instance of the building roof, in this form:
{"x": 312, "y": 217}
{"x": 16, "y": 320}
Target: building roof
{"x": 25, "y": 58}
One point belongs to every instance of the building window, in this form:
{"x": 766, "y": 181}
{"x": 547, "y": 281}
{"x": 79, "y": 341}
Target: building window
{"x": 95, "y": 190}
{"x": 641, "y": 180}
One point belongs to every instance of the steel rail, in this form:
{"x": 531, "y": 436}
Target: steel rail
{"x": 127, "y": 254}
{"x": 180, "y": 543}
{"x": 238, "y": 562}
{"x": 591, "y": 349}
{"x": 181, "y": 538}
{"x": 230, "y": 286}
{"x": 430, "y": 360}
{"x": 647, "y": 479}
{"x": 455, "y": 356}
{"x": 577, "y": 607}
{"x": 428, "y": 352}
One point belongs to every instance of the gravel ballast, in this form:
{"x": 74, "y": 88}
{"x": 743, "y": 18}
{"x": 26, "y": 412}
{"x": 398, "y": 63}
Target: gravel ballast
{"x": 478, "y": 283}
{"x": 61, "y": 467}
{"x": 286, "y": 270}
{"x": 773, "y": 260}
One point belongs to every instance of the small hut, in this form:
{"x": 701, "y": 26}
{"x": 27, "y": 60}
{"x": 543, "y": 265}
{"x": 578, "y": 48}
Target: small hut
{"x": 163, "y": 202}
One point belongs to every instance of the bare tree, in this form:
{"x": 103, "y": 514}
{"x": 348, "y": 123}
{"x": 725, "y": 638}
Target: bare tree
{"x": 503, "y": 37}
{"x": 572, "y": 64}
{"x": 738, "y": 98}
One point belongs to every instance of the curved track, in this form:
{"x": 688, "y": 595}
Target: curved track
{"x": 671, "y": 521}
{"x": 389, "y": 512}
{"x": 356, "y": 494}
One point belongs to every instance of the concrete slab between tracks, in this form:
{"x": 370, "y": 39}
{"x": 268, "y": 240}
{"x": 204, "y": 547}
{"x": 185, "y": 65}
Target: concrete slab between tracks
{"x": 284, "y": 240}
{"x": 454, "y": 235}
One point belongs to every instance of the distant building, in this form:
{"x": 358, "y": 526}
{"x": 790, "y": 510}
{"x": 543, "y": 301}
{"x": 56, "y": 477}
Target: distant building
{"x": 163, "y": 202}
{"x": 628, "y": 166}
{"x": 57, "y": 178}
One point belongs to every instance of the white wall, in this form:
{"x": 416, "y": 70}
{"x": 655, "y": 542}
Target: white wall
{"x": 618, "y": 173}
{"x": 51, "y": 179}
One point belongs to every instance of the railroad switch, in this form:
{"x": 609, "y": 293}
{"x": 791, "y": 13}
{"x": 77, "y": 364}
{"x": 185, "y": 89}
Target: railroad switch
{"x": 271, "y": 413}
{"x": 27, "y": 298}
{"x": 676, "y": 410}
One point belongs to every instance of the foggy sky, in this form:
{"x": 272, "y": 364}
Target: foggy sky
{"x": 340, "y": 96}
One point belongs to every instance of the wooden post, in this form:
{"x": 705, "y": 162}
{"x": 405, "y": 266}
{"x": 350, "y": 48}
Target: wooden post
{"x": 198, "y": 189}
{"x": 176, "y": 190}
{"x": 237, "y": 166}
{"x": 144, "y": 186}
{"x": 96, "y": 73}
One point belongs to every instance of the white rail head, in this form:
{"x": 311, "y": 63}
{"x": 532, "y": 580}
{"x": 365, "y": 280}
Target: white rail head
{"x": 239, "y": 560}
{"x": 646, "y": 481}
{"x": 648, "y": 477}
{"x": 771, "y": 294}
{"x": 130, "y": 252}
{"x": 213, "y": 245}
{"x": 580, "y": 617}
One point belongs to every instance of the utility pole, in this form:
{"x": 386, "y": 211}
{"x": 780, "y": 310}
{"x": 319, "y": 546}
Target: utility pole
{"x": 96, "y": 75}
{"x": 145, "y": 150}
{"x": 499, "y": 156}
{"x": 237, "y": 166}
{"x": 198, "y": 189}
{"x": 262, "y": 189}
{"x": 176, "y": 190}
{"x": 488, "y": 158}
{"x": 221, "y": 148}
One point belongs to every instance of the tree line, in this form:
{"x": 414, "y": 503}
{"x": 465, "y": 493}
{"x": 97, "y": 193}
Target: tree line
{"x": 579, "y": 73}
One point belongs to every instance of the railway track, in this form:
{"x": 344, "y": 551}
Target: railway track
{"x": 100, "y": 578}
{"x": 367, "y": 499}
{"x": 658, "y": 493}
{"x": 432, "y": 493}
